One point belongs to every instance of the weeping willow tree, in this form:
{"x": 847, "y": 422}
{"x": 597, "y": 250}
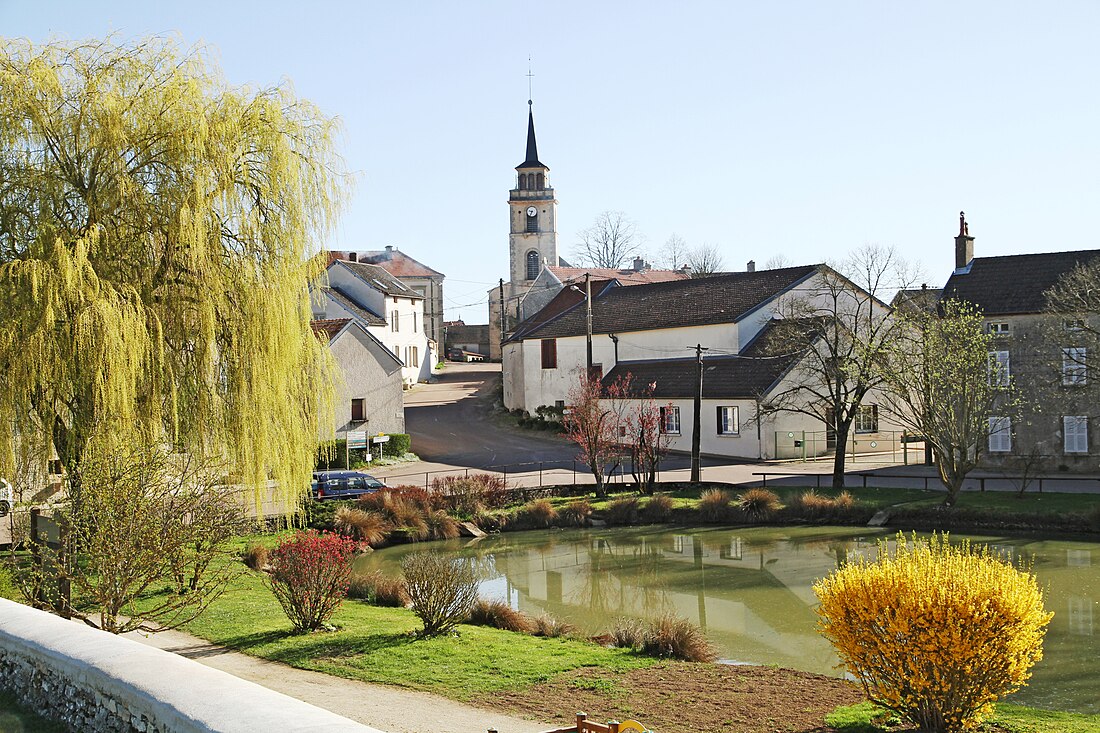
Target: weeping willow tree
{"x": 156, "y": 233}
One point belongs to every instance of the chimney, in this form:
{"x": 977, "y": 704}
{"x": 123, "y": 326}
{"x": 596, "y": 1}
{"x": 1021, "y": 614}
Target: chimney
{"x": 353, "y": 256}
{"x": 389, "y": 248}
{"x": 639, "y": 264}
{"x": 750, "y": 266}
{"x": 686, "y": 269}
{"x": 964, "y": 244}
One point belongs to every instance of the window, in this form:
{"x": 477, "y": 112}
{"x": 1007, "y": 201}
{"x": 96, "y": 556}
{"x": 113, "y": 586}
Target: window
{"x": 670, "y": 420}
{"x": 727, "y": 420}
{"x": 414, "y": 322}
{"x": 1073, "y": 365}
{"x": 395, "y": 324}
{"x": 412, "y": 358}
{"x": 549, "y": 354}
{"x": 999, "y": 368}
{"x": 867, "y": 419}
{"x": 1075, "y": 433}
{"x": 540, "y": 181}
{"x": 997, "y": 328}
{"x": 358, "y": 411}
{"x": 533, "y": 222}
{"x": 1000, "y": 435}
{"x": 1074, "y": 324}
{"x": 532, "y": 265}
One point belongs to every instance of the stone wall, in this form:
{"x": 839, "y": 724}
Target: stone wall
{"x": 96, "y": 682}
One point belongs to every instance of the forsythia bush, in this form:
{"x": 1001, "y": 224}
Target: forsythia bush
{"x": 310, "y": 576}
{"x": 935, "y": 631}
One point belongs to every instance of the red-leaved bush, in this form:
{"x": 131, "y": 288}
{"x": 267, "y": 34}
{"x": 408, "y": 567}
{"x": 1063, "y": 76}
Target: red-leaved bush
{"x": 310, "y": 573}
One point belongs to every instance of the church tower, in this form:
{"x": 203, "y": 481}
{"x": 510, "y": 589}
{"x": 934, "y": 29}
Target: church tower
{"x": 533, "y": 212}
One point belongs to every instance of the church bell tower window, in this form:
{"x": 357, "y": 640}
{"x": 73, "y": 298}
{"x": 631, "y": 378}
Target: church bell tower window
{"x": 532, "y": 265}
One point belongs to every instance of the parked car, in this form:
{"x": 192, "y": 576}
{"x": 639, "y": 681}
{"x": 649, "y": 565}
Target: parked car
{"x": 343, "y": 484}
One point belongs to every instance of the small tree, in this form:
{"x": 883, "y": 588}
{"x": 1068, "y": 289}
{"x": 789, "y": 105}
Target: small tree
{"x": 310, "y": 576}
{"x": 705, "y": 260}
{"x": 594, "y": 426}
{"x": 148, "y": 517}
{"x": 933, "y": 631}
{"x": 638, "y": 420}
{"x": 442, "y": 590}
{"x": 674, "y": 253}
{"x": 944, "y": 386}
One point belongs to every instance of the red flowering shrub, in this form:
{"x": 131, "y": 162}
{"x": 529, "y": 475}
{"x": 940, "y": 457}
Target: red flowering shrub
{"x": 310, "y": 576}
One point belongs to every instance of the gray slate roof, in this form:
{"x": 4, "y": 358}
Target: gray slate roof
{"x": 743, "y": 376}
{"x": 1014, "y": 284}
{"x": 367, "y": 317}
{"x": 378, "y": 278}
{"x": 698, "y": 302}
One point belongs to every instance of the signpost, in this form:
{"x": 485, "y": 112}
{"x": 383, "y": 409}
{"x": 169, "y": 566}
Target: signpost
{"x": 358, "y": 441}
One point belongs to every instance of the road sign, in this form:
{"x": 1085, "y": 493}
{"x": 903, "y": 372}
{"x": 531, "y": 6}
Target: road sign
{"x": 380, "y": 439}
{"x": 357, "y": 440}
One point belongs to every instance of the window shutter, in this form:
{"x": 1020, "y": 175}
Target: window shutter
{"x": 719, "y": 421}
{"x": 1000, "y": 435}
{"x": 1075, "y": 433}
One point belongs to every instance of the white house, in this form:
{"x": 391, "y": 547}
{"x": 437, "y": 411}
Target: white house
{"x": 651, "y": 331}
{"x": 388, "y": 309}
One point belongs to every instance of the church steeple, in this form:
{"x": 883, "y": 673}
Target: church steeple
{"x": 532, "y": 159}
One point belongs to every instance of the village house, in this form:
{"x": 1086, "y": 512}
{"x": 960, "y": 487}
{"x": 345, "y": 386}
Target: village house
{"x": 1045, "y": 356}
{"x": 650, "y": 331}
{"x": 391, "y": 311}
{"x": 368, "y": 398}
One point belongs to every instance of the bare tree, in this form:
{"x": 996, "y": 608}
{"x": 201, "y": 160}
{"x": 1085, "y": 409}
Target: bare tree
{"x": 776, "y": 262}
{"x": 1071, "y": 337}
{"x": 611, "y": 241}
{"x": 944, "y": 387}
{"x": 705, "y": 260}
{"x": 845, "y": 329}
{"x": 674, "y": 253}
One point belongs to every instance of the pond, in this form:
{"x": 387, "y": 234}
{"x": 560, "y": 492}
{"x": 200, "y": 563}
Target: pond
{"x": 751, "y": 590}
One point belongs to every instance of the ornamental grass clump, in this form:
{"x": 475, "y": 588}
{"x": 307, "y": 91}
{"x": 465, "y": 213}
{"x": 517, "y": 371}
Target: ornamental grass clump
{"x": 310, "y": 573}
{"x": 935, "y": 631}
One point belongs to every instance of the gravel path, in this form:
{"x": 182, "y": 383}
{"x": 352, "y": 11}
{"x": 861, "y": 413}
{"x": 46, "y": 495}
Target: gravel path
{"x": 386, "y": 708}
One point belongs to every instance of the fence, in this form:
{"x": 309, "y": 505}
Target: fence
{"x": 813, "y": 445}
{"x": 584, "y": 725}
{"x": 533, "y": 473}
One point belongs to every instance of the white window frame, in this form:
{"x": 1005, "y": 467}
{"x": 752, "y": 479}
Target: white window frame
{"x": 670, "y": 420}
{"x": 1000, "y": 368}
{"x": 729, "y": 420}
{"x": 865, "y": 414}
{"x": 1000, "y": 435}
{"x": 1074, "y": 366}
{"x": 1075, "y": 434}
{"x": 997, "y": 328}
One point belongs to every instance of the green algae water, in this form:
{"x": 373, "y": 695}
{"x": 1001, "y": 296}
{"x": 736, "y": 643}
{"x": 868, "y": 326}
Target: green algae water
{"x": 751, "y": 590}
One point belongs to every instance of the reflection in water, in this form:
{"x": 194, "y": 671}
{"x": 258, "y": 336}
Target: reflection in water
{"x": 751, "y": 590}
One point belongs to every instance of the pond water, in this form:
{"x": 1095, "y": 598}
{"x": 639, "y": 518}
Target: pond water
{"x": 751, "y": 590}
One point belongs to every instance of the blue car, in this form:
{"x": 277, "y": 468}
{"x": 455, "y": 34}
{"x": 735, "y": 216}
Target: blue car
{"x": 343, "y": 484}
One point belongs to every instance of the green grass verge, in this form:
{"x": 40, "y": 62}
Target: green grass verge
{"x": 868, "y": 718}
{"x": 14, "y": 718}
{"x": 378, "y": 645}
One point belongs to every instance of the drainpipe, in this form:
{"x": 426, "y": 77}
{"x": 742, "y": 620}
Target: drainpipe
{"x": 615, "y": 340}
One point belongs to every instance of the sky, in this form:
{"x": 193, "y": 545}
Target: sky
{"x": 795, "y": 129}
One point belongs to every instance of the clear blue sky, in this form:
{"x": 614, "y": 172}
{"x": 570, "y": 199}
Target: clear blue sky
{"x": 797, "y": 128}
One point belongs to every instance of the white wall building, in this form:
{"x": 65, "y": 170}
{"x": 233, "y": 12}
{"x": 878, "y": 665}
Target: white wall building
{"x": 391, "y": 311}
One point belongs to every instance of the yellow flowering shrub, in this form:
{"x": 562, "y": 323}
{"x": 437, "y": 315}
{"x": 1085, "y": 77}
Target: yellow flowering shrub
{"x": 935, "y": 631}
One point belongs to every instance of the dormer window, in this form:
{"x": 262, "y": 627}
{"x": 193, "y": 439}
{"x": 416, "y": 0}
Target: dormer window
{"x": 532, "y": 265}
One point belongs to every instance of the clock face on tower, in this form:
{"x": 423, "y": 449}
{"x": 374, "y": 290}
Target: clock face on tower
{"x": 531, "y": 211}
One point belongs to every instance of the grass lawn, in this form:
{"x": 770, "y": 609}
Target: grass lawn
{"x": 377, "y": 645}
{"x": 867, "y": 718}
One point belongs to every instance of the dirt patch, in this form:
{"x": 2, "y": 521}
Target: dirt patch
{"x": 678, "y": 697}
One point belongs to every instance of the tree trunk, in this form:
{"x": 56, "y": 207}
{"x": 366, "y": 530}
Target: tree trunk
{"x": 839, "y": 457}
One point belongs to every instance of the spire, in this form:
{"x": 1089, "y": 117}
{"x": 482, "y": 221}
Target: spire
{"x": 532, "y": 159}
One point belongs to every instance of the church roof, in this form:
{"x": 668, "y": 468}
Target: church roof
{"x": 532, "y": 159}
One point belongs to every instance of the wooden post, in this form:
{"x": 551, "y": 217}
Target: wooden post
{"x": 581, "y": 717}
{"x": 613, "y": 726}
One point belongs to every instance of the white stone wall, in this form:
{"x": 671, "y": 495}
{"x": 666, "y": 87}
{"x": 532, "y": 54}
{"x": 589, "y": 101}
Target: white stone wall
{"x": 370, "y": 375}
{"x": 96, "y": 682}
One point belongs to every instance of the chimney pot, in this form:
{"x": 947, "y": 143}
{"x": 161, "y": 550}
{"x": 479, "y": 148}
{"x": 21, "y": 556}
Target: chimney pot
{"x": 964, "y": 244}
{"x": 751, "y": 266}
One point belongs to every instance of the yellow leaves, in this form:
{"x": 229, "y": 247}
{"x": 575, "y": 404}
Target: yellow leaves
{"x": 934, "y": 630}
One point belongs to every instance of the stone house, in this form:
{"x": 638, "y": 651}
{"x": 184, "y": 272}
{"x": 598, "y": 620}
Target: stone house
{"x": 649, "y": 331}
{"x": 391, "y": 311}
{"x": 1046, "y": 357}
{"x": 369, "y": 397}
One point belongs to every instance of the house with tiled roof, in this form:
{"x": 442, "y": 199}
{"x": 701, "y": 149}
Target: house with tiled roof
{"x": 389, "y": 309}
{"x": 368, "y": 397}
{"x": 1047, "y": 357}
{"x": 649, "y": 331}
{"x": 423, "y": 280}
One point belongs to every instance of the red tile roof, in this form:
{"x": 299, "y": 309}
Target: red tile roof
{"x": 330, "y": 327}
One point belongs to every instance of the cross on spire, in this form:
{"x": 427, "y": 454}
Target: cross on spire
{"x": 530, "y": 83}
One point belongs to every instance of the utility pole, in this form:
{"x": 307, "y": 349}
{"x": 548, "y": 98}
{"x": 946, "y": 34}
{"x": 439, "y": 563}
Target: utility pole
{"x": 588, "y": 314}
{"x": 696, "y": 472}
